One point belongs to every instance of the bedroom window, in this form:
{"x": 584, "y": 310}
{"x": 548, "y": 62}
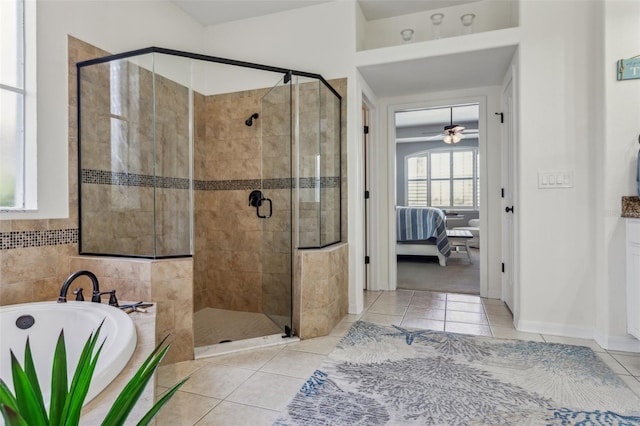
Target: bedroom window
{"x": 444, "y": 179}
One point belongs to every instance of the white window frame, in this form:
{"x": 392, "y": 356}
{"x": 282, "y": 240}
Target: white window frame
{"x": 29, "y": 164}
{"x": 427, "y": 153}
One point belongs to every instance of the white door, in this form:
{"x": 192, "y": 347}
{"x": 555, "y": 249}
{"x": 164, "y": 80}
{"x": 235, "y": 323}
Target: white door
{"x": 508, "y": 209}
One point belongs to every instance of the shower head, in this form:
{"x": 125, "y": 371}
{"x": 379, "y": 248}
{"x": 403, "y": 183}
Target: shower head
{"x": 249, "y": 121}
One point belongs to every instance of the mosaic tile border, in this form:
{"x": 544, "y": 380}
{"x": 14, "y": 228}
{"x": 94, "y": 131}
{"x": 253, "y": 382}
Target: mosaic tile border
{"x": 24, "y": 239}
{"x": 101, "y": 177}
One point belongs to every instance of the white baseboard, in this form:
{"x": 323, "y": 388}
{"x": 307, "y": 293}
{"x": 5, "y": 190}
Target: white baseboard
{"x": 555, "y": 329}
{"x": 614, "y": 343}
{"x": 618, "y": 343}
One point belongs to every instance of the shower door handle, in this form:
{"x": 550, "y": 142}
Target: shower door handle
{"x": 267, "y": 216}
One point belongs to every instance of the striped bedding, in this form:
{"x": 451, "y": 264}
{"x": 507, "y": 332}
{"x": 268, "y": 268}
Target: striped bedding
{"x": 422, "y": 223}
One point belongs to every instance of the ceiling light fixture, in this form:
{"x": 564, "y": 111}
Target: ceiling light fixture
{"x": 452, "y": 132}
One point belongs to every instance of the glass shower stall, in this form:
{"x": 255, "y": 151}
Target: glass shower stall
{"x": 233, "y": 163}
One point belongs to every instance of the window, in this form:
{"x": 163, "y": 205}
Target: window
{"x": 12, "y": 104}
{"x": 444, "y": 178}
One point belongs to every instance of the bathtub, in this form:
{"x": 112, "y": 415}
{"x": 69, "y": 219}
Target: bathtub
{"x": 42, "y": 323}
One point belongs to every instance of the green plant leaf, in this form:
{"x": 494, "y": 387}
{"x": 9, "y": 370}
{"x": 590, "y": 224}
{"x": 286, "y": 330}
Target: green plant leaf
{"x": 128, "y": 397}
{"x": 144, "y": 421}
{"x": 59, "y": 385}
{"x": 6, "y": 396}
{"x": 81, "y": 380}
{"x": 11, "y": 416}
{"x": 27, "y": 402}
{"x": 32, "y": 375}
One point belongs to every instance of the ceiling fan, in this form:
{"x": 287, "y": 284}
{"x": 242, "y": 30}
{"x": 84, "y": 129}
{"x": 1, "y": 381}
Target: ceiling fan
{"x": 453, "y": 132}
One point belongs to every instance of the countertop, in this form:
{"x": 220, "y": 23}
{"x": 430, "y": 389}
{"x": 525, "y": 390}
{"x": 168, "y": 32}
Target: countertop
{"x": 631, "y": 206}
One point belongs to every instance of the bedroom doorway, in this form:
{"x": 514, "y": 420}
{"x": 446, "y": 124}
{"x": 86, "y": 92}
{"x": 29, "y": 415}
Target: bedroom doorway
{"x": 438, "y": 197}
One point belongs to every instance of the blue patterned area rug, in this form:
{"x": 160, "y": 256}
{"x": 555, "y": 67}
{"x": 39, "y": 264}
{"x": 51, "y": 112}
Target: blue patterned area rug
{"x": 388, "y": 375}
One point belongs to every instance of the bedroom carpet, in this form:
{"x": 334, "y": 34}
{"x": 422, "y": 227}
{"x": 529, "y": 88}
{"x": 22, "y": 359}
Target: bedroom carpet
{"x": 424, "y": 273}
{"x": 390, "y": 375}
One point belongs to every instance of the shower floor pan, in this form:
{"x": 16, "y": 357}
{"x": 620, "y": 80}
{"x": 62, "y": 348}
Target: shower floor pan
{"x": 220, "y": 331}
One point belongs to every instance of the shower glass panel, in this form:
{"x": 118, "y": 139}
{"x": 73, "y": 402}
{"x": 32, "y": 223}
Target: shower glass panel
{"x": 276, "y": 207}
{"x": 318, "y": 145}
{"x": 135, "y": 157}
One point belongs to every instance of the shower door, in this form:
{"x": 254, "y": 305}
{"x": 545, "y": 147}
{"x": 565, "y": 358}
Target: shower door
{"x": 276, "y": 206}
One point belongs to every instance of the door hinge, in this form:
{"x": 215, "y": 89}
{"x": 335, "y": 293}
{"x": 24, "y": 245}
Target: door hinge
{"x": 367, "y": 260}
{"x": 502, "y": 192}
{"x": 366, "y": 195}
{"x": 501, "y": 114}
{"x": 502, "y": 266}
{"x": 366, "y": 130}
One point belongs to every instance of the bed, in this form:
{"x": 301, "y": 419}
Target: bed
{"x": 421, "y": 231}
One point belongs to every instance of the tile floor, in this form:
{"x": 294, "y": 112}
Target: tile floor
{"x": 252, "y": 387}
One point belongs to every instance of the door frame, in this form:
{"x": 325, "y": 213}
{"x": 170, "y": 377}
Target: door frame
{"x": 481, "y": 100}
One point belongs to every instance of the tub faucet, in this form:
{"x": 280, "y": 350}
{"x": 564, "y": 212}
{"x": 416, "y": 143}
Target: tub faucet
{"x": 65, "y": 286}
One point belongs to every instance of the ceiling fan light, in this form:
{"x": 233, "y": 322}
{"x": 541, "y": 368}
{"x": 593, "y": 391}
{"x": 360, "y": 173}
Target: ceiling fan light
{"x": 456, "y": 138}
{"x": 448, "y": 139}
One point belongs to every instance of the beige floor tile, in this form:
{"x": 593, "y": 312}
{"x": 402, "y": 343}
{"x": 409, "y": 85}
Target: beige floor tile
{"x": 396, "y": 296}
{"x": 319, "y": 345}
{"x": 465, "y": 307}
{"x": 351, "y": 318}
{"x": 252, "y": 360}
{"x": 500, "y": 320}
{"x": 624, "y": 353}
{"x": 382, "y": 319}
{"x": 486, "y": 301}
{"x": 233, "y": 414}
{"x": 632, "y": 382}
{"x": 265, "y": 390}
{"x": 388, "y": 308}
{"x": 428, "y": 304}
{"x": 631, "y": 363}
{"x": 462, "y": 328}
{"x": 467, "y": 298}
{"x": 497, "y": 309}
{"x": 512, "y": 333}
{"x": 467, "y": 317}
{"x": 169, "y": 375}
{"x": 573, "y": 341}
{"x": 612, "y": 363}
{"x": 294, "y": 364}
{"x": 341, "y": 329}
{"x": 216, "y": 381}
{"x": 419, "y": 312}
{"x": 185, "y": 409}
{"x": 426, "y": 324}
{"x": 417, "y": 295}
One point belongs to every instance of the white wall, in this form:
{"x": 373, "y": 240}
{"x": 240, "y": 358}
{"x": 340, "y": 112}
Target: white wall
{"x": 557, "y": 284}
{"x": 115, "y": 26}
{"x": 619, "y": 115}
{"x": 318, "y": 39}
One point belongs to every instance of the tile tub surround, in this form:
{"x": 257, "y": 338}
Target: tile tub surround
{"x": 631, "y": 206}
{"x": 93, "y": 413}
{"x": 167, "y": 282}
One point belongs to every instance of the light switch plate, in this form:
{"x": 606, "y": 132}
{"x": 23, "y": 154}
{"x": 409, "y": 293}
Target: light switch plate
{"x": 555, "y": 179}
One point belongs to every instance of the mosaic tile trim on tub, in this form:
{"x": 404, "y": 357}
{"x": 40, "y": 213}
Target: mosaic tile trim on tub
{"x": 24, "y": 239}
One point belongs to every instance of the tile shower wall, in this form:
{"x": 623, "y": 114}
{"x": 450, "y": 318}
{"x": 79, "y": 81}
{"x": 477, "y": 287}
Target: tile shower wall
{"x": 227, "y": 257}
{"x": 135, "y": 162}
